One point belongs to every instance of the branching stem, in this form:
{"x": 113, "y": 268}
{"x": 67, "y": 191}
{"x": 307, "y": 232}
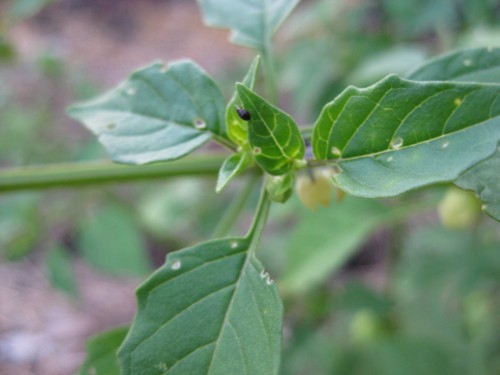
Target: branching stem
{"x": 102, "y": 172}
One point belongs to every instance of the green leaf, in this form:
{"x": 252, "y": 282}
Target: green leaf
{"x": 472, "y": 65}
{"x": 101, "y": 353}
{"x": 398, "y": 135}
{"x": 110, "y": 240}
{"x": 157, "y": 114}
{"x": 483, "y": 180}
{"x": 478, "y": 65}
{"x": 237, "y": 132}
{"x": 61, "y": 271}
{"x": 211, "y": 309}
{"x": 252, "y": 23}
{"x": 231, "y": 167}
{"x": 237, "y": 127}
{"x": 273, "y": 134}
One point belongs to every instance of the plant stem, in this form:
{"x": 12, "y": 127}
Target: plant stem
{"x": 233, "y": 211}
{"x": 268, "y": 64}
{"x": 92, "y": 173}
{"x": 224, "y": 142}
{"x": 259, "y": 221}
{"x": 320, "y": 163}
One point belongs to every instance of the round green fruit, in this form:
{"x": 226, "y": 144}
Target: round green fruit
{"x": 315, "y": 188}
{"x": 459, "y": 209}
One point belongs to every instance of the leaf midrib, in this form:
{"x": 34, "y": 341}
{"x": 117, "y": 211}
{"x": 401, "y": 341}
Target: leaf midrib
{"x": 271, "y": 133}
{"x": 377, "y": 104}
{"x": 412, "y": 145}
{"x": 229, "y": 308}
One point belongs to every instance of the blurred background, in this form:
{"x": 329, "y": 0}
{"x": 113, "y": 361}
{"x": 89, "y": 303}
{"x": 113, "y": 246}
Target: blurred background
{"x": 370, "y": 286}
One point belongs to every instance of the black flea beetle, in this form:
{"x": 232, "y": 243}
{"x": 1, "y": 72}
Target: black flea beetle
{"x": 243, "y": 113}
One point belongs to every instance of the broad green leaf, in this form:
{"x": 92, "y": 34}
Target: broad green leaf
{"x": 211, "y": 309}
{"x": 478, "y": 65}
{"x": 61, "y": 271}
{"x": 273, "y": 135}
{"x": 101, "y": 353}
{"x": 232, "y": 166}
{"x": 472, "y": 65}
{"x": 252, "y": 23}
{"x": 321, "y": 242}
{"x": 398, "y": 135}
{"x": 156, "y": 114}
{"x": 483, "y": 180}
{"x": 237, "y": 127}
{"x": 110, "y": 240}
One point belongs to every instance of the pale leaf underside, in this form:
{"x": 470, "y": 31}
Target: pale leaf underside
{"x": 252, "y": 22}
{"x": 157, "y": 114}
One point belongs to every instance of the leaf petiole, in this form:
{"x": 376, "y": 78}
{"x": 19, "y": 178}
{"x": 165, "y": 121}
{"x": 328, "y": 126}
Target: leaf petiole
{"x": 256, "y": 230}
{"x": 235, "y": 207}
{"x": 224, "y": 142}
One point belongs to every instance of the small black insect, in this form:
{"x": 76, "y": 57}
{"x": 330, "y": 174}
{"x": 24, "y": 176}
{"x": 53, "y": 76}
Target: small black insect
{"x": 243, "y": 113}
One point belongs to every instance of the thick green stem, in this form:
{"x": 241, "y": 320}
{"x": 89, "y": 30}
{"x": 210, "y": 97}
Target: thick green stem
{"x": 259, "y": 221}
{"x": 92, "y": 173}
{"x": 233, "y": 211}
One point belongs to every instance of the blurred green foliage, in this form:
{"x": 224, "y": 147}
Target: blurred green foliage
{"x": 101, "y": 353}
{"x": 439, "y": 315}
{"x": 437, "y": 308}
{"x": 333, "y": 44}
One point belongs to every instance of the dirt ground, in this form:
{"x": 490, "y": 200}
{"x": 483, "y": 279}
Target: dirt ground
{"x": 42, "y": 332}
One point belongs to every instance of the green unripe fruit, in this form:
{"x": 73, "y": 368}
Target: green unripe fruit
{"x": 315, "y": 189}
{"x": 459, "y": 209}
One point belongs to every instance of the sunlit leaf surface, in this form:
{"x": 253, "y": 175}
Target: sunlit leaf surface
{"x": 398, "y": 135}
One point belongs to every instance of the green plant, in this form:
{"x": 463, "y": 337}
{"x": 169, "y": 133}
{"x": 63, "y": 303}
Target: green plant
{"x": 213, "y": 308}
